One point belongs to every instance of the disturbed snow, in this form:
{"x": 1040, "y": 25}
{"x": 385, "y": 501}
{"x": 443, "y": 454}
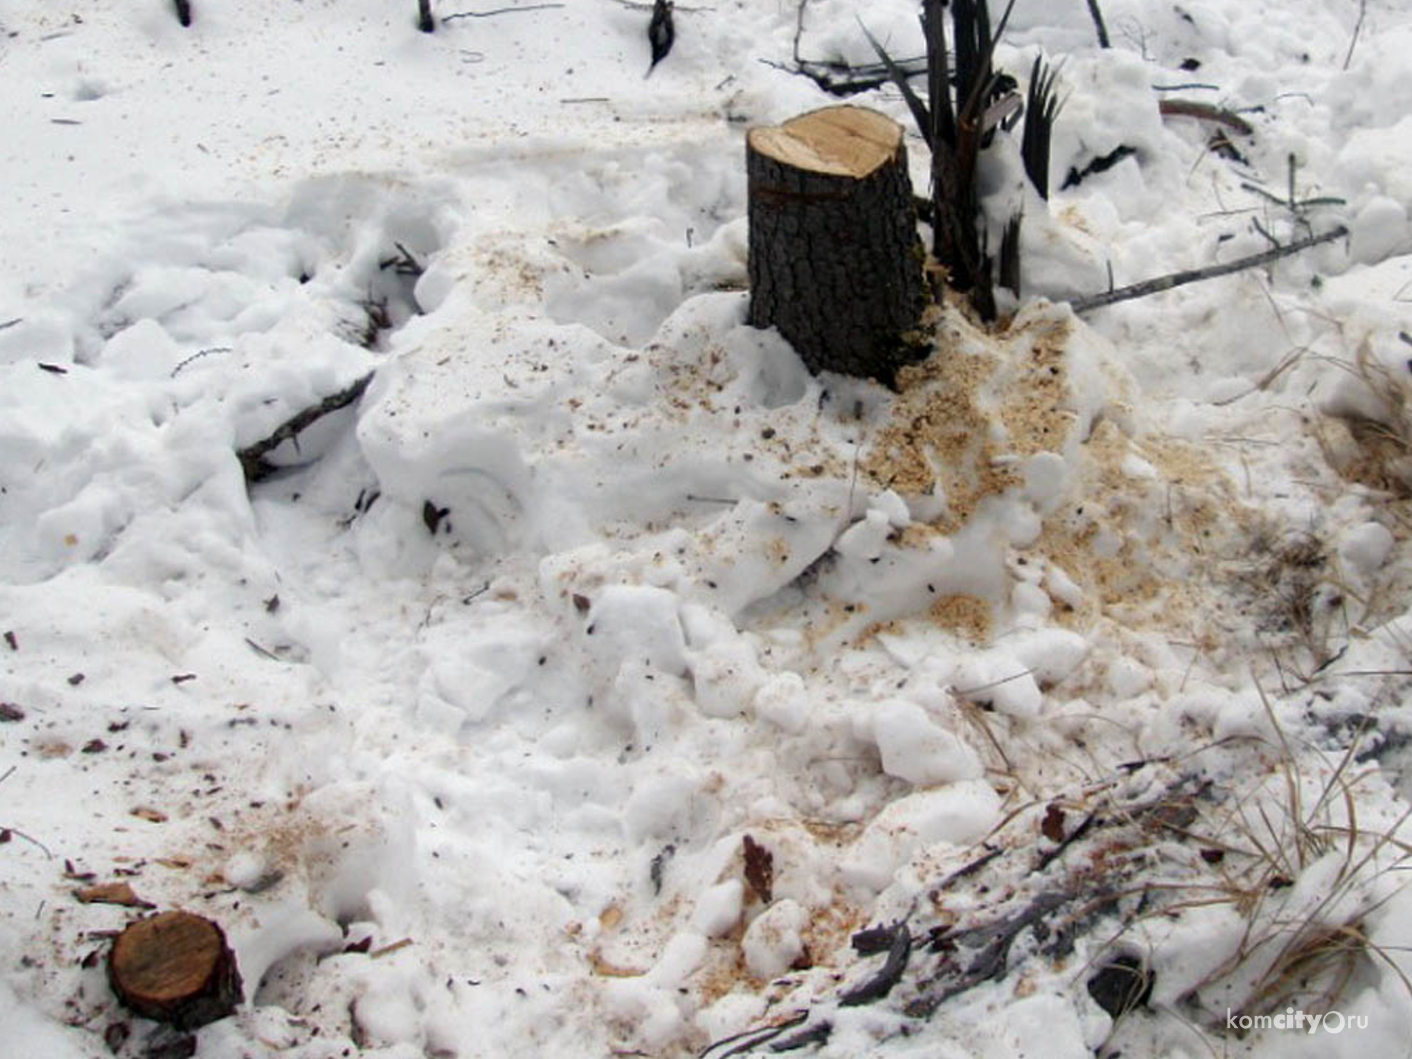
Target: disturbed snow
{"x": 459, "y": 722}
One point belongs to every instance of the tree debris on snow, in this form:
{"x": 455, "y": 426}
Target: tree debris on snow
{"x": 759, "y": 869}
{"x": 879, "y": 985}
{"x": 113, "y": 893}
{"x": 1181, "y": 279}
{"x": 252, "y": 457}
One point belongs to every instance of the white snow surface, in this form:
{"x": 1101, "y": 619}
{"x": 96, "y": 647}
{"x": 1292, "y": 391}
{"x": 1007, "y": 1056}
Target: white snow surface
{"x": 458, "y": 722}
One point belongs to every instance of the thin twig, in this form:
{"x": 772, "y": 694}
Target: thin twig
{"x": 1357, "y": 29}
{"x": 262, "y": 652}
{"x": 757, "y": 1036}
{"x": 28, "y": 838}
{"x": 197, "y": 356}
{"x": 1181, "y": 279}
{"x": 499, "y": 11}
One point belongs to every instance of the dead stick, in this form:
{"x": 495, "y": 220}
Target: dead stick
{"x": 252, "y": 457}
{"x": 1098, "y": 24}
{"x": 1181, "y": 279}
{"x": 1190, "y": 108}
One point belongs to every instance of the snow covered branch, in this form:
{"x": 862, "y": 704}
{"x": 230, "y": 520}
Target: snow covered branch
{"x": 1195, "y": 275}
{"x": 252, "y": 457}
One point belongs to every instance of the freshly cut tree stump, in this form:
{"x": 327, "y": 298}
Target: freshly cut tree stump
{"x": 835, "y": 258}
{"x": 175, "y": 968}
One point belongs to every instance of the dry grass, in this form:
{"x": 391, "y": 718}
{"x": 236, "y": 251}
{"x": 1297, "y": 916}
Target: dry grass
{"x": 1297, "y": 600}
{"x": 1290, "y": 856}
{"x": 1381, "y": 440}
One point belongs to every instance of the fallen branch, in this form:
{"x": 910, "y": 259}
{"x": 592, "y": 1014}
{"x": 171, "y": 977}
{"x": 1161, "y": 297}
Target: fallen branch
{"x": 1191, "y": 108}
{"x": 1101, "y": 164}
{"x": 1093, "y": 10}
{"x": 749, "y": 1040}
{"x": 252, "y": 457}
{"x": 403, "y": 262}
{"x": 880, "y": 984}
{"x": 816, "y": 1034}
{"x": 843, "y": 80}
{"x": 1058, "y": 851}
{"x": 990, "y": 945}
{"x": 1181, "y": 279}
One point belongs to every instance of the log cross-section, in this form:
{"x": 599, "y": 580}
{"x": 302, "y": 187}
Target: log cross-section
{"x": 835, "y": 259}
{"x": 176, "y": 968}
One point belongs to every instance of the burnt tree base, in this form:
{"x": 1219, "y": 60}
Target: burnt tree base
{"x": 175, "y": 968}
{"x": 834, "y": 256}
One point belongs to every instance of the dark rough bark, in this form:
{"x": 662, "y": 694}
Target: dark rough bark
{"x": 424, "y": 19}
{"x": 835, "y": 258}
{"x": 175, "y": 968}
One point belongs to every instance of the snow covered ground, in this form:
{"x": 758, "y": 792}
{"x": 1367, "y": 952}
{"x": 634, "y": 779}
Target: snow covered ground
{"x": 586, "y": 686}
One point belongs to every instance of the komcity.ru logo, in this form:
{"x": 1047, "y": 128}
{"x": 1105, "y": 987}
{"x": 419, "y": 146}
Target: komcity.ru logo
{"x": 1290, "y": 1019}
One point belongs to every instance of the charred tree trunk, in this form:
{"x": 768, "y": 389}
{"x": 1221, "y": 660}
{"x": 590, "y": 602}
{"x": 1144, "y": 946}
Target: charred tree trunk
{"x": 835, "y": 258}
{"x": 183, "y": 12}
{"x": 175, "y": 968}
{"x": 424, "y": 19}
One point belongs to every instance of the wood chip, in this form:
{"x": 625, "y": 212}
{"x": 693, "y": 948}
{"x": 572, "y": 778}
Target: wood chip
{"x": 607, "y": 969}
{"x": 1052, "y": 827}
{"x": 759, "y": 869}
{"x": 388, "y": 950}
{"x": 153, "y": 816}
{"x": 115, "y": 893}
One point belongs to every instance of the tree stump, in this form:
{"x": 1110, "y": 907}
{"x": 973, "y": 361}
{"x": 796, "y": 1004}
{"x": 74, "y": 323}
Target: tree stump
{"x": 175, "y": 968}
{"x": 834, "y": 256}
